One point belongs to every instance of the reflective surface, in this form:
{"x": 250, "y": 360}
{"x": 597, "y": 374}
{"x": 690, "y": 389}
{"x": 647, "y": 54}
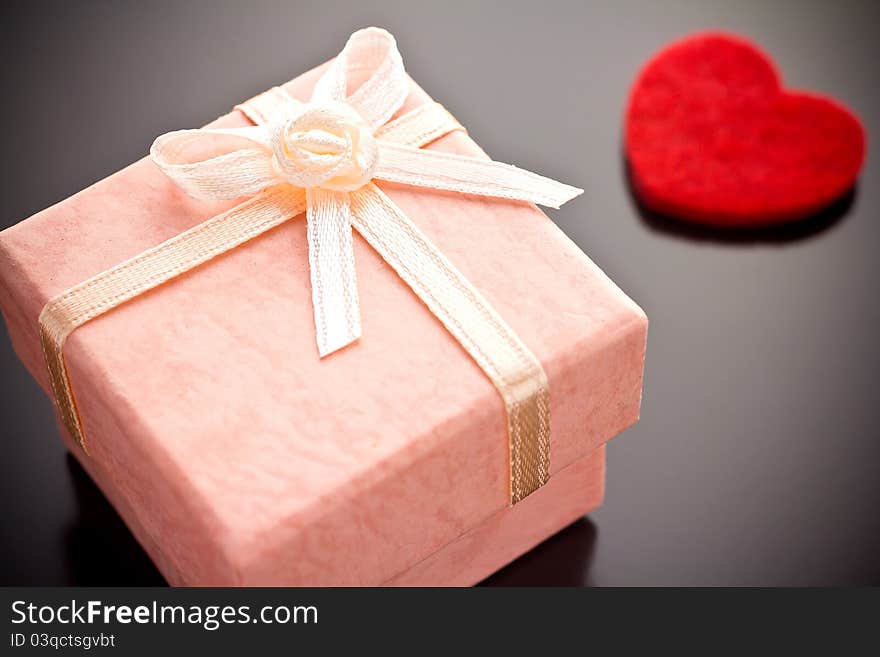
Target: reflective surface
{"x": 756, "y": 459}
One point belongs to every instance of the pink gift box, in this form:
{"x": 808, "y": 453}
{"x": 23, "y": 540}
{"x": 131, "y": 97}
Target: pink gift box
{"x": 238, "y": 457}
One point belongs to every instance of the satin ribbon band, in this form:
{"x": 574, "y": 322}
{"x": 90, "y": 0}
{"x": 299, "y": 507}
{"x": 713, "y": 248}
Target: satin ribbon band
{"x": 98, "y": 295}
{"x": 321, "y": 158}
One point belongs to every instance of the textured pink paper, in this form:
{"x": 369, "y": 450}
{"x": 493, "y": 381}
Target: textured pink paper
{"x": 573, "y": 492}
{"x": 237, "y": 456}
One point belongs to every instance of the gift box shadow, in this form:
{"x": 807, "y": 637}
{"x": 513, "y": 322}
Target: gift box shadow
{"x": 101, "y": 551}
{"x": 802, "y": 229}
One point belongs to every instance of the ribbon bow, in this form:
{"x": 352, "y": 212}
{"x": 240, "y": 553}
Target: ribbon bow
{"x": 322, "y": 157}
{"x": 332, "y": 147}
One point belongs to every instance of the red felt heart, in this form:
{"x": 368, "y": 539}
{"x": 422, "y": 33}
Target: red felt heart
{"x": 712, "y": 137}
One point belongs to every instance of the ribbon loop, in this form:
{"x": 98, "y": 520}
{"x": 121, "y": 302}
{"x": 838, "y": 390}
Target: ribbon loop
{"x": 372, "y": 51}
{"x": 218, "y": 164}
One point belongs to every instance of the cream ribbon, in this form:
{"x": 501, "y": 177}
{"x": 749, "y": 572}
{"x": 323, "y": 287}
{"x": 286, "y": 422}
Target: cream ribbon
{"x": 322, "y": 157}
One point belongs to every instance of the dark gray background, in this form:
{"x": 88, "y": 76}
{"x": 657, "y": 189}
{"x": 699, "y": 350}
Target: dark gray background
{"x": 756, "y": 459}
